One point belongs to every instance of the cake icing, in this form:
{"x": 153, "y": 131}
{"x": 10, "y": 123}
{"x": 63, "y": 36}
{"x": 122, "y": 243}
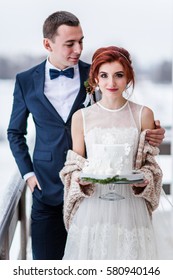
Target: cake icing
{"x": 110, "y": 160}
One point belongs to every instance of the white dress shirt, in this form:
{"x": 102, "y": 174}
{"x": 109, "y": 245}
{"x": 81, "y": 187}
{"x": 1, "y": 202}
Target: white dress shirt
{"x": 62, "y": 91}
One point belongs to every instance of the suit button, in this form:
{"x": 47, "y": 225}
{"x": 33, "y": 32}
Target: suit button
{"x": 67, "y": 127}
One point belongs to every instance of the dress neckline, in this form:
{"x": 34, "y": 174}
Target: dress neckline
{"x": 112, "y": 110}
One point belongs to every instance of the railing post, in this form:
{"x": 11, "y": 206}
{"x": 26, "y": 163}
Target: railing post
{"x": 4, "y": 254}
{"x": 23, "y": 228}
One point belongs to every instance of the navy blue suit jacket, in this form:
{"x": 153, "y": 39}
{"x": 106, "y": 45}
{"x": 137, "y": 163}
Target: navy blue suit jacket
{"x": 53, "y": 135}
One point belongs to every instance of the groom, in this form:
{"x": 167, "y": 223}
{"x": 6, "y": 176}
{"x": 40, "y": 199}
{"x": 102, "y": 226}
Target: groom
{"x": 51, "y": 92}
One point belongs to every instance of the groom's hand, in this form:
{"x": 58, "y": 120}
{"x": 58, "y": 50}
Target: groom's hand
{"x": 32, "y": 182}
{"x": 155, "y": 136}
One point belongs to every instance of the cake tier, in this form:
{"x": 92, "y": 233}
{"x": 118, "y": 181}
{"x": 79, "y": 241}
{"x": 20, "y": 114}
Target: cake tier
{"x": 110, "y": 160}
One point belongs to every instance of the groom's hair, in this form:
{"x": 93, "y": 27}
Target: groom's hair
{"x": 55, "y": 20}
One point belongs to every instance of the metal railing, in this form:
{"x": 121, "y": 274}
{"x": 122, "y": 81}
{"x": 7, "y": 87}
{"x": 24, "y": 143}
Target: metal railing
{"x": 14, "y": 212}
{"x": 165, "y": 150}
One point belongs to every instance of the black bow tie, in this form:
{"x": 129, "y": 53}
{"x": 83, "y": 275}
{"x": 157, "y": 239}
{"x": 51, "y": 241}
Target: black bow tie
{"x": 69, "y": 73}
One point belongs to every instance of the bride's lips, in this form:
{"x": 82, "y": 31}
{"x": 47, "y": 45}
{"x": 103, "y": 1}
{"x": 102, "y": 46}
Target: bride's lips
{"x": 112, "y": 89}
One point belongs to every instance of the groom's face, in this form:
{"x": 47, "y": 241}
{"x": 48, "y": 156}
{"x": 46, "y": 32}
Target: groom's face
{"x": 66, "y": 47}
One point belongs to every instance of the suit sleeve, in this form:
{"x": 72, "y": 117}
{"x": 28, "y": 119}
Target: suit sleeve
{"x": 17, "y": 131}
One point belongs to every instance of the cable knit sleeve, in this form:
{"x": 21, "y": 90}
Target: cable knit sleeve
{"x": 73, "y": 192}
{"x": 147, "y": 164}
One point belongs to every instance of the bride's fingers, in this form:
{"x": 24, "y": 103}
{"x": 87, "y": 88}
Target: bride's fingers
{"x": 83, "y": 183}
{"x": 143, "y": 184}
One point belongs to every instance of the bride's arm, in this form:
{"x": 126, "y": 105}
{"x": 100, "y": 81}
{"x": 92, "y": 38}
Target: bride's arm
{"x": 77, "y": 133}
{"x": 78, "y": 144}
{"x": 147, "y": 122}
{"x": 147, "y": 119}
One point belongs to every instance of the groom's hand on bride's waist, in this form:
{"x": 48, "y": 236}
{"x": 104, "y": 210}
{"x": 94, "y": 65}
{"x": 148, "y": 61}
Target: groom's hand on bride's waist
{"x": 155, "y": 136}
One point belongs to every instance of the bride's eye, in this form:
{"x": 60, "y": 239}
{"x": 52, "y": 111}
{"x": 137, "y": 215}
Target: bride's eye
{"x": 103, "y": 75}
{"x": 119, "y": 75}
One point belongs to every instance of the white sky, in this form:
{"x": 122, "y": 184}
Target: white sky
{"x": 144, "y": 27}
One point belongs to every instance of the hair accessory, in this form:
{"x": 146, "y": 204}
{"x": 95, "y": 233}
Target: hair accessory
{"x": 108, "y": 51}
{"x": 124, "y": 56}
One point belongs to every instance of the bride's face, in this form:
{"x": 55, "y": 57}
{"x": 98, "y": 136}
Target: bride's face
{"x": 112, "y": 78}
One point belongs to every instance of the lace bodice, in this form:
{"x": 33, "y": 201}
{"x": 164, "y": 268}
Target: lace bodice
{"x": 104, "y": 126}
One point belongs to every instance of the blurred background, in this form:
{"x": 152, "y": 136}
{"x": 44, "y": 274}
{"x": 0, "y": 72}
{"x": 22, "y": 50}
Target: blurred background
{"x": 144, "y": 28}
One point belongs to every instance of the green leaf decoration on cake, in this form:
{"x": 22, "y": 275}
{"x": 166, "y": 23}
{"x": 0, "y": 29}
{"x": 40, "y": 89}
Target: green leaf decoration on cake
{"x": 104, "y": 181}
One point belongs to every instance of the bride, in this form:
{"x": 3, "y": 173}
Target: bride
{"x": 104, "y": 229}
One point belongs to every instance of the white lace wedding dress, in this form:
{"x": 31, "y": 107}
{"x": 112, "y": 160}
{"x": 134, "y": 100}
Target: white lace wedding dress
{"x": 103, "y": 229}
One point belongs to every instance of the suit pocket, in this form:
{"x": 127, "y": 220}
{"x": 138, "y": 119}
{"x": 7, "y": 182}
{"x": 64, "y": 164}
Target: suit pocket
{"x": 40, "y": 155}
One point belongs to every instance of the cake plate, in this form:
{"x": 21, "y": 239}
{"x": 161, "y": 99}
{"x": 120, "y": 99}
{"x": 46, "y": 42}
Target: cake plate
{"x": 111, "y": 181}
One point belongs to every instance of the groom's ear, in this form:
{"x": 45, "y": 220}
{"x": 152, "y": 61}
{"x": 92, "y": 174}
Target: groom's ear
{"x": 47, "y": 45}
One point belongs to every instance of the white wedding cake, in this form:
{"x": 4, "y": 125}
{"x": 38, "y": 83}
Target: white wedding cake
{"x": 110, "y": 160}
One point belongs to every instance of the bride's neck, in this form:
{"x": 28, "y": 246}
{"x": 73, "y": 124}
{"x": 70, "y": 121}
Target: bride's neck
{"x": 112, "y": 104}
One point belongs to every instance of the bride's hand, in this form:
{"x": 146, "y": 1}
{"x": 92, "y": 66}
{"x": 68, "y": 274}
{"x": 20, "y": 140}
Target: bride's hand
{"x": 140, "y": 185}
{"x": 83, "y": 183}
{"x": 86, "y": 187}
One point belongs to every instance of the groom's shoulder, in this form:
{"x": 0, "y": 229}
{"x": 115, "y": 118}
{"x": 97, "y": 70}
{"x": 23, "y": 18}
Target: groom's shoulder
{"x": 84, "y": 64}
{"x": 27, "y": 72}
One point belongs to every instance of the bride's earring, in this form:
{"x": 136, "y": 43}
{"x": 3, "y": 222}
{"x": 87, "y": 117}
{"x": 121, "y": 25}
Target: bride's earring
{"x": 97, "y": 88}
{"x": 98, "y": 94}
{"x": 126, "y": 93}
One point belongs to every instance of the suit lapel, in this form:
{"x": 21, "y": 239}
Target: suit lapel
{"x": 39, "y": 79}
